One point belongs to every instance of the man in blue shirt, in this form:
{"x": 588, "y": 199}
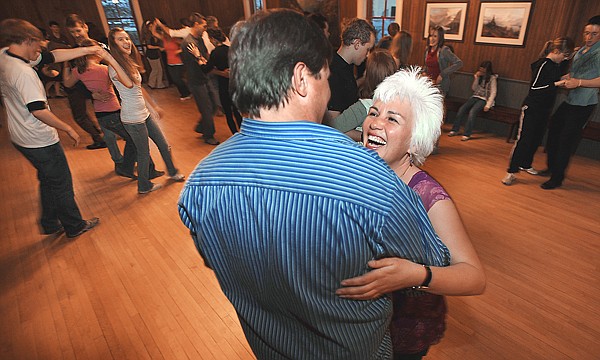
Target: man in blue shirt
{"x": 571, "y": 117}
{"x": 287, "y": 208}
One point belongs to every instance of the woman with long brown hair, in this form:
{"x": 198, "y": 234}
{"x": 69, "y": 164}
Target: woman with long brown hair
{"x": 139, "y": 121}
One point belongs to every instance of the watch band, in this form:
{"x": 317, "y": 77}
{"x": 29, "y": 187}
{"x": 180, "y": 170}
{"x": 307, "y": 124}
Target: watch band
{"x": 425, "y": 284}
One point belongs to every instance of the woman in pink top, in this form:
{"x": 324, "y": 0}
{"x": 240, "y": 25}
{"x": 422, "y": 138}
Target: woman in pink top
{"x": 106, "y": 107}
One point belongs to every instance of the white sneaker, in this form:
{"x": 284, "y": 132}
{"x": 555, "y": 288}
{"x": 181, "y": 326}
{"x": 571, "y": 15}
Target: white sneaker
{"x": 452, "y": 133}
{"x": 509, "y": 179}
{"x": 177, "y": 177}
{"x": 185, "y": 98}
{"x": 153, "y": 188}
{"x": 530, "y": 170}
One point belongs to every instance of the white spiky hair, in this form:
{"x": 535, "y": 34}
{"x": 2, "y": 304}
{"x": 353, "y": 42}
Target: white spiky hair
{"x": 427, "y": 107}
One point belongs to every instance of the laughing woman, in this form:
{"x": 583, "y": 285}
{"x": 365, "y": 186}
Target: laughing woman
{"x": 402, "y": 127}
{"x": 124, "y": 71}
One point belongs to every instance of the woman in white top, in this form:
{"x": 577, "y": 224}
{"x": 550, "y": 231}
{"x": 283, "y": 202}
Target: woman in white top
{"x": 124, "y": 71}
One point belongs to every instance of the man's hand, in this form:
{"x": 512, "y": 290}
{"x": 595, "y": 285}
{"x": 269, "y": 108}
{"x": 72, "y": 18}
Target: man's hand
{"x": 73, "y": 135}
{"x": 486, "y": 108}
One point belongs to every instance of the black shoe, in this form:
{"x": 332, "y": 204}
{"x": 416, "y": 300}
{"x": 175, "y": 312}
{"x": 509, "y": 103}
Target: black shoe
{"x": 88, "y": 225}
{"x": 125, "y": 174}
{"x": 156, "y": 174}
{"x": 97, "y": 145}
{"x": 551, "y": 184}
{"x": 211, "y": 141}
{"x": 199, "y": 128}
{"x": 59, "y": 230}
{"x": 545, "y": 172}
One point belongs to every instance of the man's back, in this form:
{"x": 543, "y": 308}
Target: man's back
{"x": 283, "y": 212}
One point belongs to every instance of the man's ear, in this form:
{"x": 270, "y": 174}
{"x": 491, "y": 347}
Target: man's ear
{"x": 356, "y": 43}
{"x": 299, "y": 79}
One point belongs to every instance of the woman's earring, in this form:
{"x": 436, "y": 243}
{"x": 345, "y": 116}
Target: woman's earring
{"x": 410, "y": 159}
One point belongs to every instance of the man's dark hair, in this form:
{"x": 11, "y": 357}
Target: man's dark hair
{"x": 195, "y": 18}
{"x": 52, "y": 23}
{"x": 74, "y": 20}
{"x": 393, "y": 29}
{"x": 594, "y": 20}
{"x": 357, "y": 29}
{"x": 216, "y": 34}
{"x": 320, "y": 19}
{"x": 264, "y": 53}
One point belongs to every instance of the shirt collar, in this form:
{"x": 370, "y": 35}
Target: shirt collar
{"x": 16, "y": 56}
{"x": 293, "y": 130}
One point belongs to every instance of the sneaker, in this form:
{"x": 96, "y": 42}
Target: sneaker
{"x": 88, "y": 225}
{"x": 153, "y": 188}
{"x": 530, "y": 170}
{"x": 465, "y": 138}
{"x": 156, "y": 174}
{"x": 96, "y": 145}
{"x": 211, "y": 141}
{"x": 551, "y": 184}
{"x": 184, "y": 98}
{"x": 509, "y": 179}
{"x": 179, "y": 177}
{"x": 452, "y": 133}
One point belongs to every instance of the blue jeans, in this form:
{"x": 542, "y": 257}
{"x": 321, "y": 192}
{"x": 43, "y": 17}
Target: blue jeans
{"x": 107, "y": 123}
{"x": 56, "y": 189}
{"x": 139, "y": 134}
{"x": 202, "y": 95}
{"x": 473, "y": 106}
{"x": 112, "y": 122}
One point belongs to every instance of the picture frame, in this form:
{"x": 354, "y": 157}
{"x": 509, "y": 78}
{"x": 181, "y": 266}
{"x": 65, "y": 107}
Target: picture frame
{"x": 450, "y": 15}
{"x": 503, "y": 23}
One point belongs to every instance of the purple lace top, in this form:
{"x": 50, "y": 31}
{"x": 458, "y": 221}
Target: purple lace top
{"x": 418, "y": 320}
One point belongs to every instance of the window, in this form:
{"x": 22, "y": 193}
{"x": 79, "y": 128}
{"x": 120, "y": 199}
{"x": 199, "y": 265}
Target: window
{"x": 120, "y": 14}
{"x": 383, "y": 13}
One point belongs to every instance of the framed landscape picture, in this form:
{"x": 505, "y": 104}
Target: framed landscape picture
{"x": 450, "y": 16}
{"x": 503, "y": 23}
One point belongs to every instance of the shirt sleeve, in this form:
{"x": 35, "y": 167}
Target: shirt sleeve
{"x": 408, "y": 232}
{"x": 28, "y": 86}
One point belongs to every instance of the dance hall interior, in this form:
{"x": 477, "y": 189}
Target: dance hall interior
{"x": 136, "y": 287}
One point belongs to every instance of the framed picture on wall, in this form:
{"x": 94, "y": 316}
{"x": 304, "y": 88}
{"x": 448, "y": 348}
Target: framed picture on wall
{"x": 450, "y": 16}
{"x": 503, "y": 23}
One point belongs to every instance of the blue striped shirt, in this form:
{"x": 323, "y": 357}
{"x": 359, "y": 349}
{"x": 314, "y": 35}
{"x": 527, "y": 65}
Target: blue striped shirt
{"x": 283, "y": 212}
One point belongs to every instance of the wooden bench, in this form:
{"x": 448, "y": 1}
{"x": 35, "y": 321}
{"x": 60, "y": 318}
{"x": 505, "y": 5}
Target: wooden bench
{"x": 591, "y": 131}
{"x": 501, "y": 114}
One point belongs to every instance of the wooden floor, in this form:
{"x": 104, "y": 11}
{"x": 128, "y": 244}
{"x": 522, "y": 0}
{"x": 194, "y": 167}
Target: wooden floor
{"x": 135, "y": 287}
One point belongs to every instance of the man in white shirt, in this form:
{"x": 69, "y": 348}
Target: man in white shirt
{"x": 32, "y": 126}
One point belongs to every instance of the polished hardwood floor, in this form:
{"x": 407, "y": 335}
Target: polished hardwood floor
{"x": 135, "y": 287}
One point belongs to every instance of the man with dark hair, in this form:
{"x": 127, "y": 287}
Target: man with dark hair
{"x": 287, "y": 208}
{"x": 571, "y": 117}
{"x": 32, "y": 125}
{"x": 386, "y": 41}
{"x": 198, "y": 78}
{"x": 78, "y": 94}
{"x": 358, "y": 37}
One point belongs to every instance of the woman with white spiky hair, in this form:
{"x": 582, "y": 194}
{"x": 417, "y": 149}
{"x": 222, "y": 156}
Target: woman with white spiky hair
{"x": 403, "y": 126}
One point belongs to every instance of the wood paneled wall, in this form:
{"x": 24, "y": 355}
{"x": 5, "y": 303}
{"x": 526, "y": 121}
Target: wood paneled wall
{"x": 550, "y": 19}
